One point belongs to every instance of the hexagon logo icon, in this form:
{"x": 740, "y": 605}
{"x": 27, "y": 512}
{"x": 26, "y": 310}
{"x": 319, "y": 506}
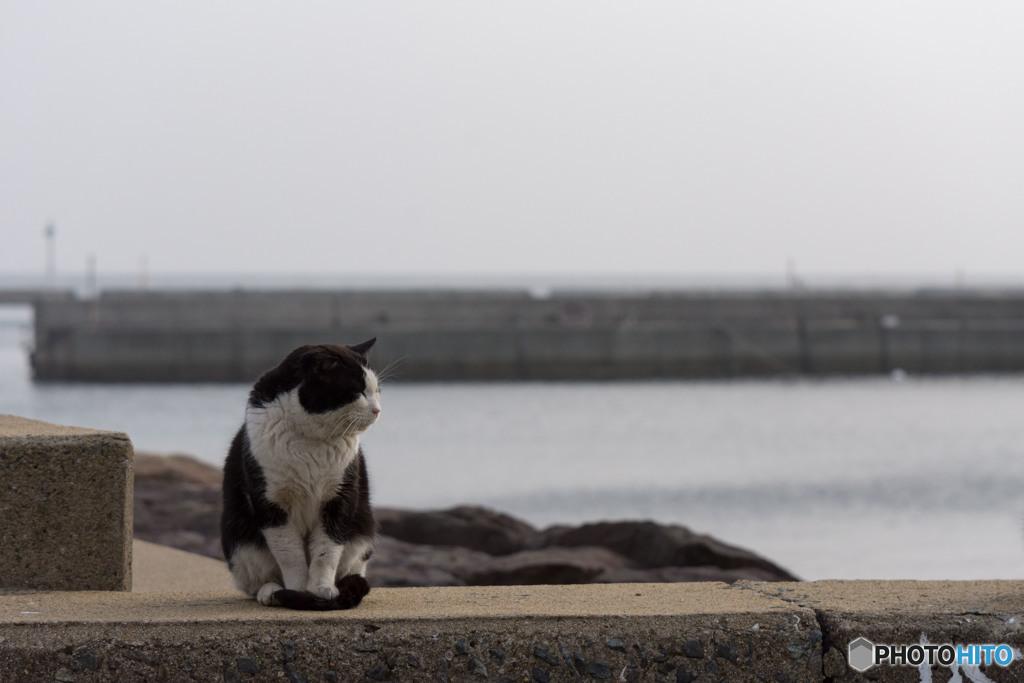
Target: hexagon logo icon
{"x": 861, "y": 654}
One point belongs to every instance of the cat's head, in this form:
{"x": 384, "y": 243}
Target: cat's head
{"x": 326, "y": 381}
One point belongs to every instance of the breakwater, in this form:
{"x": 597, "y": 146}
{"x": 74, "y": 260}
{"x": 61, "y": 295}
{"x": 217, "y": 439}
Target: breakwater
{"x": 193, "y": 336}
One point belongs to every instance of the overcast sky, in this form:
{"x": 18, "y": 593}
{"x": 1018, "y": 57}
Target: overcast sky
{"x": 591, "y": 138}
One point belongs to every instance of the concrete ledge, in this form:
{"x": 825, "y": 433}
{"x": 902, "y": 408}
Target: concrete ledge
{"x": 674, "y": 632}
{"x": 517, "y": 632}
{"x": 910, "y": 613}
{"x": 159, "y": 569}
{"x": 65, "y": 507}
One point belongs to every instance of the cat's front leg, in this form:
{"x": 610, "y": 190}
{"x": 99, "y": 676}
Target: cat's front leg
{"x": 324, "y": 554}
{"x": 355, "y": 556}
{"x": 287, "y": 547}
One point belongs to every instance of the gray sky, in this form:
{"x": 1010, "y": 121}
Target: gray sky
{"x": 676, "y": 138}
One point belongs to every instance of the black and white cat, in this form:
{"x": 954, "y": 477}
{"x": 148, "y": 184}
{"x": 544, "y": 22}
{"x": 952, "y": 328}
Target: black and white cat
{"x": 297, "y": 528}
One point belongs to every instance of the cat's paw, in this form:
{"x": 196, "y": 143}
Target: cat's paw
{"x": 325, "y": 592}
{"x": 351, "y": 590}
{"x": 265, "y": 595}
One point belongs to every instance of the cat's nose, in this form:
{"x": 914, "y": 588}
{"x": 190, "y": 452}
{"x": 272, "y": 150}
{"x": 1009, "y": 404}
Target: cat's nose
{"x": 375, "y": 411}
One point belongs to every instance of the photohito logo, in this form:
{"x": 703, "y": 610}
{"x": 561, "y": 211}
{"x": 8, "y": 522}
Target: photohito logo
{"x": 862, "y": 654}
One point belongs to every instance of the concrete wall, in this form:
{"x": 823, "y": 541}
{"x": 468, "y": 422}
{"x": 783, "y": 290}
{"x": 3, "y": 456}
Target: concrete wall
{"x": 65, "y": 507}
{"x": 234, "y": 336}
{"x": 775, "y": 632}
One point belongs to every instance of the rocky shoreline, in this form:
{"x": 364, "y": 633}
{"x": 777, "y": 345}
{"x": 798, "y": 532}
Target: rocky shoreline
{"x": 177, "y": 504}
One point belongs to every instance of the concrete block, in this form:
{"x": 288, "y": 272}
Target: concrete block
{"x": 632, "y": 632}
{"x": 904, "y": 613}
{"x": 747, "y": 631}
{"x": 65, "y": 507}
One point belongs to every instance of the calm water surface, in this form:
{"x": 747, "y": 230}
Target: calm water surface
{"x": 835, "y": 478}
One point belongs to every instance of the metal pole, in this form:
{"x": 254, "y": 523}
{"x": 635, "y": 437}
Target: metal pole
{"x": 50, "y": 232}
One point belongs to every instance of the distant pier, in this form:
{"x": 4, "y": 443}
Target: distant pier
{"x": 233, "y": 336}
{"x": 30, "y": 296}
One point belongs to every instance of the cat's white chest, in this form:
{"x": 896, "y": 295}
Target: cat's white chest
{"x": 306, "y": 473}
{"x": 302, "y": 472}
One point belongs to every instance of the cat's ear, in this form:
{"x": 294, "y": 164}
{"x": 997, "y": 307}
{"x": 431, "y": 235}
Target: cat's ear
{"x": 364, "y": 347}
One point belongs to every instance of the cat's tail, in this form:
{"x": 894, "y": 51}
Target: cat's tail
{"x": 351, "y": 591}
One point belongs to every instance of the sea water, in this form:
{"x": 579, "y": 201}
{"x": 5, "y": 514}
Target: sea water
{"x": 853, "y": 478}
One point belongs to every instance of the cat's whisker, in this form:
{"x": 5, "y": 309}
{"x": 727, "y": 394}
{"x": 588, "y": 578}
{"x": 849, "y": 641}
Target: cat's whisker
{"x": 391, "y": 369}
{"x": 348, "y": 426}
{"x": 347, "y": 421}
{"x": 334, "y": 430}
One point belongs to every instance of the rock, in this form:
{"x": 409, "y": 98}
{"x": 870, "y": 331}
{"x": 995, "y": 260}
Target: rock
{"x": 177, "y": 467}
{"x": 379, "y": 673}
{"x": 547, "y": 566}
{"x": 693, "y": 648}
{"x": 87, "y": 662}
{"x": 178, "y": 503}
{"x": 477, "y": 667}
{"x": 192, "y": 541}
{"x": 396, "y": 563}
{"x": 247, "y": 666}
{"x": 650, "y": 545}
{"x": 293, "y": 675}
{"x": 680, "y": 574}
{"x": 541, "y": 652}
{"x": 472, "y": 527}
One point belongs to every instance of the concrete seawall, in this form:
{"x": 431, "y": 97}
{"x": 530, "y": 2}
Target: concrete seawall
{"x": 446, "y": 335}
{"x": 776, "y": 632}
{"x": 747, "y": 631}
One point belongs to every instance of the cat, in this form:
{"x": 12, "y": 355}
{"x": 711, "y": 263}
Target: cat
{"x": 297, "y": 528}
